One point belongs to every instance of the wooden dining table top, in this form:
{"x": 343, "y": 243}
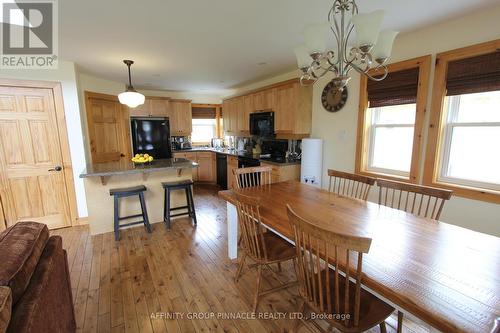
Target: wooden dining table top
{"x": 446, "y": 275}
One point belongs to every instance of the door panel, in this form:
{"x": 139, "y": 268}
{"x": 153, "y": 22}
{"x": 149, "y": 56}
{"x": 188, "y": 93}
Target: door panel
{"x": 29, "y": 147}
{"x": 107, "y": 124}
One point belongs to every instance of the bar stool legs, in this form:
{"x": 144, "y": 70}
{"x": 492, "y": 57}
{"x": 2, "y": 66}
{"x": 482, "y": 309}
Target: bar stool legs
{"x": 128, "y": 192}
{"x": 185, "y": 185}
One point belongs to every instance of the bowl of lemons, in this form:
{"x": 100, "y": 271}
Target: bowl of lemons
{"x": 142, "y": 158}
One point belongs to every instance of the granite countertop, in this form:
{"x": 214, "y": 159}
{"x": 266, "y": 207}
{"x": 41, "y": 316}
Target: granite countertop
{"x": 234, "y": 152}
{"x": 128, "y": 167}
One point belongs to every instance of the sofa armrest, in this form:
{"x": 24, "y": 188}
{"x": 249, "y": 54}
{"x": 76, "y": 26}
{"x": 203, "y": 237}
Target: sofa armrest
{"x": 5, "y": 308}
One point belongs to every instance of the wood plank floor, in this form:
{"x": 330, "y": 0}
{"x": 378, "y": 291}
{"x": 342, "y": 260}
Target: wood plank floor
{"x": 133, "y": 284}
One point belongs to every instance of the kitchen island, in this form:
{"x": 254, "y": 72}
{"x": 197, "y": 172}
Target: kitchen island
{"x": 100, "y": 178}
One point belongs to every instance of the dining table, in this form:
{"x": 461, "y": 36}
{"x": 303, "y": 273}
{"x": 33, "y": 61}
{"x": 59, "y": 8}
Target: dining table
{"x": 446, "y": 276}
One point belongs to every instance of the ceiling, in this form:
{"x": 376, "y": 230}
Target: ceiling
{"x": 200, "y": 45}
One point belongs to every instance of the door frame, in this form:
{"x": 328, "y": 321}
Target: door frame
{"x": 62, "y": 136}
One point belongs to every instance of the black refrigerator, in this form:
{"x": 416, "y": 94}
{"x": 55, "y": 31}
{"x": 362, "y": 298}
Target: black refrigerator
{"x": 151, "y": 136}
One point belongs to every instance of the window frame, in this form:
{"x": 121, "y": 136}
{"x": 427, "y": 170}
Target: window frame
{"x": 218, "y": 120}
{"x": 438, "y": 122}
{"x": 363, "y": 138}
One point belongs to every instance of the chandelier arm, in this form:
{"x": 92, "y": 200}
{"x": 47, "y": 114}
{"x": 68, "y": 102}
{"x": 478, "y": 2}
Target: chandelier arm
{"x": 336, "y": 32}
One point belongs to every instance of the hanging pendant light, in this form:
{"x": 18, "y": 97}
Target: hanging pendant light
{"x": 130, "y": 97}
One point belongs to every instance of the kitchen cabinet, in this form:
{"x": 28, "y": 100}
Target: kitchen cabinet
{"x": 291, "y": 103}
{"x": 206, "y": 168}
{"x": 282, "y": 173}
{"x": 152, "y": 107}
{"x": 189, "y": 156}
{"x": 206, "y": 171}
{"x": 181, "y": 117}
{"x": 232, "y": 164}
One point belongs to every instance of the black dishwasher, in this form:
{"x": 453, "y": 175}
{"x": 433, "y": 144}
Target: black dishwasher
{"x": 222, "y": 171}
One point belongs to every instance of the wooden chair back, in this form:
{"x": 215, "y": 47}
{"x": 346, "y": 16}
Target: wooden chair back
{"x": 418, "y": 200}
{"x": 251, "y": 228}
{"x": 315, "y": 248}
{"x": 350, "y": 185}
{"x": 254, "y": 176}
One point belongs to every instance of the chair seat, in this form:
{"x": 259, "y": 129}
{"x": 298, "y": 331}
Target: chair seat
{"x": 130, "y": 190}
{"x": 178, "y": 183}
{"x": 372, "y": 310}
{"x": 277, "y": 248}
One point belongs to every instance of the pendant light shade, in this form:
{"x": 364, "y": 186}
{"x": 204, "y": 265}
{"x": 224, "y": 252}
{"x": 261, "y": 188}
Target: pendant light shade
{"x": 131, "y": 97}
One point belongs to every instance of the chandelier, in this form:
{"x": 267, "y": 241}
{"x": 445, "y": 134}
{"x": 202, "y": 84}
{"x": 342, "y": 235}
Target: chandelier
{"x": 131, "y": 97}
{"x": 371, "y": 49}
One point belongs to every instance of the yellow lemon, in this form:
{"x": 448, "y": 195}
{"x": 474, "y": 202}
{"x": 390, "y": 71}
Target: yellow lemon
{"x": 150, "y": 158}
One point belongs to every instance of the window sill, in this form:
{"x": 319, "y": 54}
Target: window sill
{"x": 468, "y": 192}
{"x": 385, "y": 176}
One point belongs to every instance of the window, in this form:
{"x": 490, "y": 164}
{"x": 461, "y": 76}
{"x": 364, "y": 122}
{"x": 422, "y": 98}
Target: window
{"x": 206, "y": 123}
{"x": 472, "y": 127}
{"x": 464, "y": 131}
{"x": 391, "y": 139}
{"x": 390, "y": 121}
{"x": 203, "y": 130}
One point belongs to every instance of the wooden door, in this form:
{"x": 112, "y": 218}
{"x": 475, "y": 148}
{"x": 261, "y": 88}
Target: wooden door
{"x": 109, "y": 133}
{"x": 33, "y": 184}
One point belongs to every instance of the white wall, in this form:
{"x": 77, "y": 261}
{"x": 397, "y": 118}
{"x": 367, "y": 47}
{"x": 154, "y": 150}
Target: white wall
{"x": 338, "y": 130}
{"x": 67, "y": 76}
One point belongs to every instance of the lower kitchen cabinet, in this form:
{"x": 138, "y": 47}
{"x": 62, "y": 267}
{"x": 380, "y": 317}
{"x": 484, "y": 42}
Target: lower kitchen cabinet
{"x": 206, "y": 171}
{"x": 282, "y": 173}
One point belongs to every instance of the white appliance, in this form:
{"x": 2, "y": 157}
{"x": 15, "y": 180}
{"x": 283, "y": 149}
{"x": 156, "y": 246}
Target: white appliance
{"x": 312, "y": 162}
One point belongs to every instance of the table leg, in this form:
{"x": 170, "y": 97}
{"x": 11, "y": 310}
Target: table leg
{"x": 232, "y": 231}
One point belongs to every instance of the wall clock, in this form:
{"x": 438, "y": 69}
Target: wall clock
{"x": 333, "y": 99}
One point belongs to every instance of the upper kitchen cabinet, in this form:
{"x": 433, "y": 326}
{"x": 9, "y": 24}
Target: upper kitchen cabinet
{"x": 291, "y": 103}
{"x": 152, "y": 107}
{"x": 181, "y": 117}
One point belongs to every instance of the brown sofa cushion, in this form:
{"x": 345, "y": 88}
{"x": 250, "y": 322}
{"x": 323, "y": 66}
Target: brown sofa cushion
{"x": 47, "y": 305}
{"x": 5, "y": 308}
{"x": 21, "y": 246}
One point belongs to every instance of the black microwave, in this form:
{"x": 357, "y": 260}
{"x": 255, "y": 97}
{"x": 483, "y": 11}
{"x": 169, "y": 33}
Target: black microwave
{"x": 262, "y": 124}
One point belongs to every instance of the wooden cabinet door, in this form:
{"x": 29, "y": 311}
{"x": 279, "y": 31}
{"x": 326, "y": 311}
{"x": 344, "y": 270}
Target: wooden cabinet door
{"x": 182, "y": 118}
{"x": 232, "y": 164}
{"x": 244, "y": 117}
{"x": 109, "y": 133}
{"x": 285, "y": 108}
{"x": 159, "y": 107}
{"x": 257, "y": 100}
{"x": 269, "y": 99}
{"x": 32, "y": 179}
{"x": 143, "y": 110}
{"x": 206, "y": 169}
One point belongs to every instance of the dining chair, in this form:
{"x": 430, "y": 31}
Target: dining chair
{"x": 418, "y": 200}
{"x": 334, "y": 290}
{"x": 253, "y": 176}
{"x": 349, "y": 184}
{"x": 263, "y": 248}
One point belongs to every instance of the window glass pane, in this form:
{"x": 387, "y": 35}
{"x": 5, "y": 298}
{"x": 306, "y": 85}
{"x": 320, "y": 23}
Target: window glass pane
{"x": 480, "y": 107}
{"x": 203, "y": 130}
{"x": 474, "y": 154}
{"x": 396, "y": 114}
{"x": 392, "y": 148}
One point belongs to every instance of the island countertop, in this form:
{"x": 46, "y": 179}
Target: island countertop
{"x": 128, "y": 167}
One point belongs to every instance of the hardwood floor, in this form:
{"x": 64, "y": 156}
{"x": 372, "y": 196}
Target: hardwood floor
{"x": 133, "y": 284}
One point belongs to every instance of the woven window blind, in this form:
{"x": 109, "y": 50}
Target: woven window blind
{"x": 396, "y": 89}
{"x": 203, "y": 113}
{"x": 473, "y": 75}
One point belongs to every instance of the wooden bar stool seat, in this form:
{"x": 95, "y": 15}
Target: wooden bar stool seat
{"x": 118, "y": 193}
{"x": 185, "y": 185}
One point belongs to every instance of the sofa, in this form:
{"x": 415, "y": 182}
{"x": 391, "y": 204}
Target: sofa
{"x": 35, "y": 286}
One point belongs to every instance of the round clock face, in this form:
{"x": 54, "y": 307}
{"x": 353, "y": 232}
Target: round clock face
{"x": 333, "y": 99}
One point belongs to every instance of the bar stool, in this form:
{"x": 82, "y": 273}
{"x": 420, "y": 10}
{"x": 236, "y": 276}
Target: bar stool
{"x": 167, "y": 210}
{"x": 118, "y": 193}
